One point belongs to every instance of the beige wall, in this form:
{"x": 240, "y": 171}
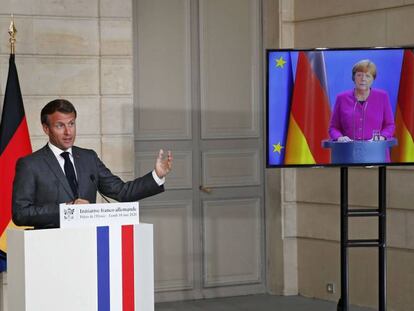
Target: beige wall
{"x": 309, "y": 200}
{"x": 80, "y": 50}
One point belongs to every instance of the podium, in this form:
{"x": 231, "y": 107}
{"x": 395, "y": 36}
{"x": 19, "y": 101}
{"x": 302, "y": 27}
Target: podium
{"x": 88, "y": 267}
{"x": 359, "y": 151}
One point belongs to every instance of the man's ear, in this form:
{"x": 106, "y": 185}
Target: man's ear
{"x": 45, "y": 128}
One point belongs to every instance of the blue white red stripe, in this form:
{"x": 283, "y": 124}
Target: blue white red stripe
{"x": 115, "y": 266}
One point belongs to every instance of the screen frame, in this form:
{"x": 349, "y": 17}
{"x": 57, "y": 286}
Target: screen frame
{"x": 266, "y": 63}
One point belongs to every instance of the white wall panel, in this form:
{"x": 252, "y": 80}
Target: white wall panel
{"x": 164, "y": 80}
{"x": 231, "y": 168}
{"x": 229, "y": 68}
{"x": 232, "y": 241}
{"x": 173, "y": 243}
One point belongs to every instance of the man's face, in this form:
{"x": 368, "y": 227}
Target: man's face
{"x": 61, "y": 129}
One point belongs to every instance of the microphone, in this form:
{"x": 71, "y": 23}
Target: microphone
{"x": 92, "y": 178}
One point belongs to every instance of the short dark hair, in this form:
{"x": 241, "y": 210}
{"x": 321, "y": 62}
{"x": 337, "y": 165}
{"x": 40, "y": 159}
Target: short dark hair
{"x": 61, "y": 105}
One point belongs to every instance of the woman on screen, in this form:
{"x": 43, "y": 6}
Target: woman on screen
{"x": 362, "y": 113}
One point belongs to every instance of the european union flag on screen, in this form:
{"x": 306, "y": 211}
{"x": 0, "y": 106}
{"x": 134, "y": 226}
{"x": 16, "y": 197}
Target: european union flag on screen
{"x": 279, "y": 97}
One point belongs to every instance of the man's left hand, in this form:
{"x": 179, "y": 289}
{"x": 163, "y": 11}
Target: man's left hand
{"x": 163, "y": 164}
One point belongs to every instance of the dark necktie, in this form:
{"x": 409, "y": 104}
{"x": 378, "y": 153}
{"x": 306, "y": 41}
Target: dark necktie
{"x": 70, "y": 173}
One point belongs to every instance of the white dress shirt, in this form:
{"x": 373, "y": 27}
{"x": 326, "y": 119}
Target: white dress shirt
{"x": 57, "y": 152}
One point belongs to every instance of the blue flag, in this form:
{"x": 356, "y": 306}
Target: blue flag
{"x": 280, "y": 86}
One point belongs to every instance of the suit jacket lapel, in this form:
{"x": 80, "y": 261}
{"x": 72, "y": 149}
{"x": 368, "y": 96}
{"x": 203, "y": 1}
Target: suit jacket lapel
{"x": 53, "y": 163}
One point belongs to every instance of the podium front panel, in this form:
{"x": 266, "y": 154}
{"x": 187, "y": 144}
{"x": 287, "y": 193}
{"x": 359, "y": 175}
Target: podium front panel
{"x": 98, "y": 268}
{"x": 58, "y": 273}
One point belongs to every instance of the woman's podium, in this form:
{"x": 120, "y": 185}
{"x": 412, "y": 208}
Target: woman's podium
{"x": 100, "y": 258}
{"x": 359, "y": 151}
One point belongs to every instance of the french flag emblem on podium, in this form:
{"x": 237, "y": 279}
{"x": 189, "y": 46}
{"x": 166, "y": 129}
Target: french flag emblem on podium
{"x": 120, "y": 285}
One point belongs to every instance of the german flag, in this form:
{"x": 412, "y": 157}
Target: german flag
{"x": 404, "y": 119}
{"x": 310, "y": 112}
{"x": 14, "y": 143}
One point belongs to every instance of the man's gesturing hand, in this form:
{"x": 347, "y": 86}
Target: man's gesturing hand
{"x": 163, "y": 164}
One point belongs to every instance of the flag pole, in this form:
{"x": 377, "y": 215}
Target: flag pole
{"x": 12, "y": 33}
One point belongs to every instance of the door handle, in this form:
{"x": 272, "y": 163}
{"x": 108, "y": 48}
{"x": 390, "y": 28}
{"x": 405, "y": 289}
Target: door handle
{"x": 205, "y": 189}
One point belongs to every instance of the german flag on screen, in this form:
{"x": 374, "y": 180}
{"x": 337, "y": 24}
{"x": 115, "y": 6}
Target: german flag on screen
{"x": 404, "y": 119}
{"x": 309, "y": 113}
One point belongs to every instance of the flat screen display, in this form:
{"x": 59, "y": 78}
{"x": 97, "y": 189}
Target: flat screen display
{"x": 340, "y": 107}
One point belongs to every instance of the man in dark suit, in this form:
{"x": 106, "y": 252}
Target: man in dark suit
{"x": 63, "y": 173}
